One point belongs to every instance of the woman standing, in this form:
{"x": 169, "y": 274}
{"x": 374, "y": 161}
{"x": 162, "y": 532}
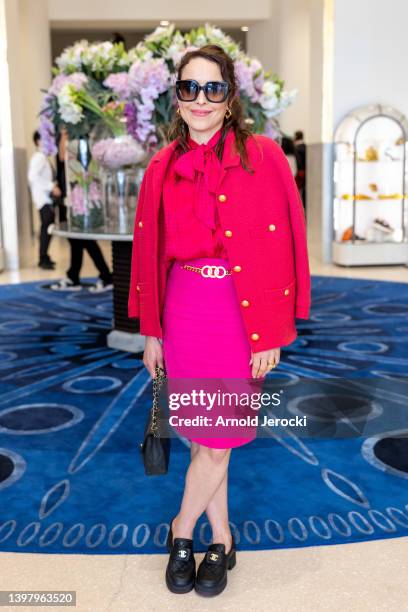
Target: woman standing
{"x": 219, "y": 272}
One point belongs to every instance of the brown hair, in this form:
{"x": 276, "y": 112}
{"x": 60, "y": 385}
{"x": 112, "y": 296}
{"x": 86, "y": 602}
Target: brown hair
{"x": 178, "y": 127}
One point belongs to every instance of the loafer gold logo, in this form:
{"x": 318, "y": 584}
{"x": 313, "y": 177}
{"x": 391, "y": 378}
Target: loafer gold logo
{"x": 213, "y": 556}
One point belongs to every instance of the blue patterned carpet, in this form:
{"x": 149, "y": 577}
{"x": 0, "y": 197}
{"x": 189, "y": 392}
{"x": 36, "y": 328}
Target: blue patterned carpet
{"x": 72, "y": 413}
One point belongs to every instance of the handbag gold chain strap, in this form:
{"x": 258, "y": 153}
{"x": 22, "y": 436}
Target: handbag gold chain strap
{"x": 158, "y": 380}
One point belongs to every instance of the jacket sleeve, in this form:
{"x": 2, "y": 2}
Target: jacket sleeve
{"x": 299, "y": 233}
{"x": 134, "y": 299}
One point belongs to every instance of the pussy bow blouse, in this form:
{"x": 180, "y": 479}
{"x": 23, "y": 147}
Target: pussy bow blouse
{"x": 191, "y": 222}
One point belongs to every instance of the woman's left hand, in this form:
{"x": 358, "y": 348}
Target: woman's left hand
{"x": 261, "y": 359}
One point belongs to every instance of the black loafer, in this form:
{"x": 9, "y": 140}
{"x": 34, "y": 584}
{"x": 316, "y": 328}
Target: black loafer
{"x": 212, "y": 572}
{"x": 181, "y": 568}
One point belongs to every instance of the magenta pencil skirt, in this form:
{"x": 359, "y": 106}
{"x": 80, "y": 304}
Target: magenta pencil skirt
{"x": 204, "y": 339}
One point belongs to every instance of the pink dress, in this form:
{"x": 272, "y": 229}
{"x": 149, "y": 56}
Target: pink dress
{"x": 198, "y": 311}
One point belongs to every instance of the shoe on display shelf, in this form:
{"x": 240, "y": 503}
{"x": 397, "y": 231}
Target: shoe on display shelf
{"x": 383, "y": 226}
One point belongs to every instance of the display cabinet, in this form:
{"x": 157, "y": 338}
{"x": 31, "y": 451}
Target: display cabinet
{"x": 370, "y": 188}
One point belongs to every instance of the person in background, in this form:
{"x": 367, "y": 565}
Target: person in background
{"x": 43, "y": 188}
{"x": 77, "y": 246}
{"x": 288, "y": 148}
{"x": 300, "y": 177}
{"x": 117, "y": 37}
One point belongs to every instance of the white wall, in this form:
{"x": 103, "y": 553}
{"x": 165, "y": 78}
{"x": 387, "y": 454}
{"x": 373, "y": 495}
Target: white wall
{"x": 282, "y": 44}
{"x": 35, "y": 57}
{"x": 370, "y": 55}
{"x": 294, "y": 61}
{"x": 180, "y": 10}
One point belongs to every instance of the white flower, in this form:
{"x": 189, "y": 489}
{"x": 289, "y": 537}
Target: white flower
{"x": 69, "y": 110}
{"x": 269, "y": 88}
{"x": 213, "y": 32}
{"x": 175, "y": 52}
{"x": 71, "y": 57}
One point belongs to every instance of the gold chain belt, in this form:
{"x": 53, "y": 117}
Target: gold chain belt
{"x": 209, "y": 271}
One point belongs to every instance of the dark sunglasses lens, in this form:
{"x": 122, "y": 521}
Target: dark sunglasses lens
{"x": 186, "y": 90}
{"x": 216, "y": 91}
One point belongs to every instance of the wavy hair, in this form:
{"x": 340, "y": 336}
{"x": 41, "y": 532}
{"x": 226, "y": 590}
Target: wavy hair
{"x": 178, "y": 127}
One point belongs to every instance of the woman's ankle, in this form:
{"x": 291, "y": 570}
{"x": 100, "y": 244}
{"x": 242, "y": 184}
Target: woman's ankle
{"x": 182, "y": 529}
{"x": 223, "y": 537}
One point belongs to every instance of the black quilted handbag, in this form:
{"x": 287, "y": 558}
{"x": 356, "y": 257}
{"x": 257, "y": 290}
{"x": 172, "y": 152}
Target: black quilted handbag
{"x": 155, "y": 449}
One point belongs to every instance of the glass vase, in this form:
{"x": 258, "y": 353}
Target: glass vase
{"x": 84, "y": 193}
{"x": 120, "y": 190}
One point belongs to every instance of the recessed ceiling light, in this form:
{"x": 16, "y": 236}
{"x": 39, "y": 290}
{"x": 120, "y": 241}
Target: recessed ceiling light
{"x": 244, "y": 28}
{"x": 164, "y": 22}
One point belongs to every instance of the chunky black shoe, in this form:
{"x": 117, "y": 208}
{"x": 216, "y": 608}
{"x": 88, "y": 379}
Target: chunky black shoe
{"x": 212, "y": 572}
{"x": 181, "y": 568}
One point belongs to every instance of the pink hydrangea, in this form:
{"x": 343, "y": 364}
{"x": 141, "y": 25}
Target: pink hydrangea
{"x": 77, "y": 200}
{"x": 114, "y": 153}
{"x": 119, "y": 83}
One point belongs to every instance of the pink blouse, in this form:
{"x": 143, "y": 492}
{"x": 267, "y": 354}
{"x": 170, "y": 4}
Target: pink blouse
{"x": 191, "y": 221}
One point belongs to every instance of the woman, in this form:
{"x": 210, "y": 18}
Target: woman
{"x": 219, "y": 272}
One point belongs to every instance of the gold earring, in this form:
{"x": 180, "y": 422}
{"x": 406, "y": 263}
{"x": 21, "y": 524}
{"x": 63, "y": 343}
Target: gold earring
{"x": 227, "y": 116}
{"x": 178, "y": 110}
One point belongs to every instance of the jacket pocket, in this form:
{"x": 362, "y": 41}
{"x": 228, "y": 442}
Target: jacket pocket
{"x": 282, "y": 294}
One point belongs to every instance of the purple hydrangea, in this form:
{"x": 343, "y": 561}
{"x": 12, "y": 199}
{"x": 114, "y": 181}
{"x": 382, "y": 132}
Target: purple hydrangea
{"x": 119, "y": 83}
{"x": 77, "y": 79}
{"x": 130, "y": 113}
{"x": 47, "y": 129}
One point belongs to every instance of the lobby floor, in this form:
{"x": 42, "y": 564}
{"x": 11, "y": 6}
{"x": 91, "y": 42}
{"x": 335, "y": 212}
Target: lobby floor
{"x": 357, "y": 577}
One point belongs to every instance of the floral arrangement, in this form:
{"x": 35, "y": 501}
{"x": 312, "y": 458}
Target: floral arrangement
{"x": 131, "y": 92}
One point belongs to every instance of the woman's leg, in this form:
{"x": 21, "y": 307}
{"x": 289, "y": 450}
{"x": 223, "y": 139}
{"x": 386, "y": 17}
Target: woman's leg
{"x": 217, "y": 510}
{"x": 205, "y": 474}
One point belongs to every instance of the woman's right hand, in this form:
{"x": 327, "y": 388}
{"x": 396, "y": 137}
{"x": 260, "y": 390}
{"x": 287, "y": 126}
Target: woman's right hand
{"x": 153, "y": 355}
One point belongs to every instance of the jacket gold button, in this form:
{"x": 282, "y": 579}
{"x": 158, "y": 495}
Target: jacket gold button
{"x": 222, "y": 197}
{"x": 254, "y": 336}
{"x": 245, "y": 303}
{"x": 286, "y": 291}
{"x": 140, "y": 223}
{"x": 237, "y": 268}
{"x": 272, "y": 227}
{"x": 228, "y": 233}
{"x": 137, "y": 288}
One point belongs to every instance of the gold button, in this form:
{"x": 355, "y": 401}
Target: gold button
{"x": 286, "y": 291}
{"x": 228, "y": 233}
{"x": 272, "y": 227}
{"x": 140, "y": 223}
{"x": 254, "y": 336}
{"x": 237, "y": 268}
{"x": 222, "y": 197}
{"x": 245, "y": 303}
{"x": 137, "y": 288}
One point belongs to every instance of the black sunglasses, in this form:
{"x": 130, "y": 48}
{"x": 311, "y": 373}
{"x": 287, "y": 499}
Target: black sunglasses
{"x": 188, "y": 90}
